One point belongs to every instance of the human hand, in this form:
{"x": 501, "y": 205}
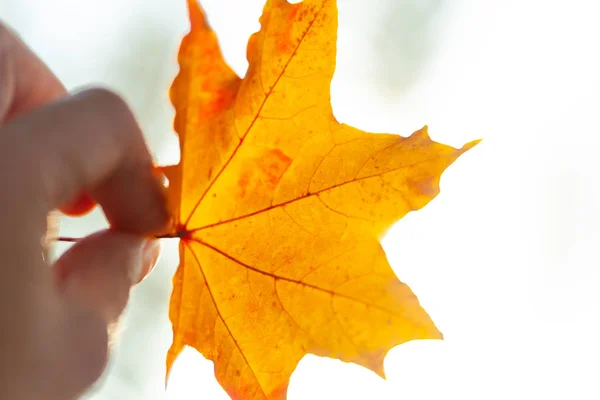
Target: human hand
{"x": 56, "y": 148}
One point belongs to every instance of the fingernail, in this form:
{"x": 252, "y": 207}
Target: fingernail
{"x": 159, "y": 175}
{"x": 150, "y": 256}
{"x": 164, "y": 215}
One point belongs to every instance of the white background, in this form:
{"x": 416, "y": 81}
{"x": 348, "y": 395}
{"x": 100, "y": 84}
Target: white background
{"x": 505, "y": 259}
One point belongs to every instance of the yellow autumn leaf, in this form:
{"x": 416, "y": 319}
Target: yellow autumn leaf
{"x": 280, "y": 209}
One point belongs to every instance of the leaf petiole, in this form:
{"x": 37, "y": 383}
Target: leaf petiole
{"x": 66, "y": 239}
{"x": 70, "y": 239}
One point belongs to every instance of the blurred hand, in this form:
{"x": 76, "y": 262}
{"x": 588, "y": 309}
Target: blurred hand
{"x": 59, "y": 151}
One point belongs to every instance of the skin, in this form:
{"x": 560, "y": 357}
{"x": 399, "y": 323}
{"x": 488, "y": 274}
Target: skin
{"x": 67, "y": 151}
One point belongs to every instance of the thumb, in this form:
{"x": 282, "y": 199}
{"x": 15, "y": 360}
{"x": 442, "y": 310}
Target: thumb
{"x": 99, "y": 271}
{"x": 94, "y": 279}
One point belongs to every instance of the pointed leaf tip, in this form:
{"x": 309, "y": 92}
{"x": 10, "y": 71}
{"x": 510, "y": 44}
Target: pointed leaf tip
{"x": 197, "y": 16}
{"x": 470, "y": 145}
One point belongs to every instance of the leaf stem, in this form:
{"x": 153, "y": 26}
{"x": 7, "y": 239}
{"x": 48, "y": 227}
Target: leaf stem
{"x": 66, "y": 239}
{"x": 70, "y": 239}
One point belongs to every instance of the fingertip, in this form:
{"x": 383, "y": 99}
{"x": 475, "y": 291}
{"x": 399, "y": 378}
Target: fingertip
{"x": 150, "y": 257}
{"x": 80, "y": 206}
{"x": 147, "y": 215}
{"x": 99, "y": 271}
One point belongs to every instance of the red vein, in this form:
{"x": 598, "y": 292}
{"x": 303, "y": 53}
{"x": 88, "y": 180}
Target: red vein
{"x": 221, "y": 316}
{"x": 308, "y": 335}
{"x": 290, "y": 117}
{"x": 344, "y": 333}
{"x": 318, "y": 167}
{"x": 267, "y": 96}
{"x": 296, "y": 222}
{"x": 304, "y": 196}
{"x": 394, "y": 143}
{"x": 333, "y": 210}
{"x": 282, "y": 278}
{"x": 181, "y": 292}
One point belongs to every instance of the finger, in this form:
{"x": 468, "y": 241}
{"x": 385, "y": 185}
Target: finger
{"x": 94, "y": 279}
{"x": 89, "y": 142}
{"x": 81, "y": 205}
{"x": 99, "y": 270}
{"x": 26, "y": 82}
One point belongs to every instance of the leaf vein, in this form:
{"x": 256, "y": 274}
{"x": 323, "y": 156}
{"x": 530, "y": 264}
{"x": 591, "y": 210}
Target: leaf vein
{"x": 307, "y": 195}
{"x": 283, "y": 278}
{"x": 223, "y": 320}
{"x": 256, "y": 117}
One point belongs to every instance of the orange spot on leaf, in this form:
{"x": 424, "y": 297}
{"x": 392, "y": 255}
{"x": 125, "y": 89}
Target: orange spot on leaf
{"x": 273, "y": 164}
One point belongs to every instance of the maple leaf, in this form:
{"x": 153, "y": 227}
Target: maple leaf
{"x": 280, "y": 208}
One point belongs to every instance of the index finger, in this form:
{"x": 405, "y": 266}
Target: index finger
{"x": 89, "y": 142}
